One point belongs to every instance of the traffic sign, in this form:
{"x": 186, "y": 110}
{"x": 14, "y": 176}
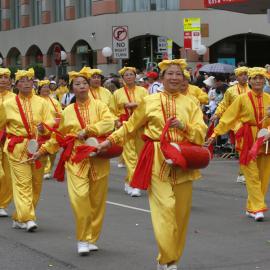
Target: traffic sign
{"x": 120, "y": 44}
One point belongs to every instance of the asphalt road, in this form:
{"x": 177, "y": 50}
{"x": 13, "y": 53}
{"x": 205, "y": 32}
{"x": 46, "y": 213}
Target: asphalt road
{"x": 220, "y": 236}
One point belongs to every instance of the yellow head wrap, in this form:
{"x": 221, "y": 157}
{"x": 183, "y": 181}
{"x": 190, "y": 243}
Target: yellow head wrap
{"x": 166, "y": 63}
{"x": 30, "y": 74}
{"x": 240, "y": 70}
{"x": 95, "y": 71}
{"x": 124, "y": 69}
{"x": 253, "y": 72}
{"x": 186, "y": 74}
{"x": 43, "y": 82}
{"x": 5, "y": 71}
{"x": 84, "y": 72}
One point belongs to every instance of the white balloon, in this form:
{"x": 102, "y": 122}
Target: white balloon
{"x": 63, "y": 56}
{"x": 202, "y": 50}
{"x": 107, "y": 52}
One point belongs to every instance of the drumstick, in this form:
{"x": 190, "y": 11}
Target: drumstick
{"x": 266, "y": 148}
{"x": 24, "y": 161}
{"x": 263, "y": 119}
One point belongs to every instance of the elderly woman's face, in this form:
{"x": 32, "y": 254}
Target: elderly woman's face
{"x": 129, "y": 77}
{"x": 173, "y": 78}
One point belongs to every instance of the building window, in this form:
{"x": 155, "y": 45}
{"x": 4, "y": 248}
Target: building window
{"x": 36, "y": 12}
{"x": 0, "y": 17}
{"x": 15, "y": 13}
{"x": 146, "y": 5}
{"x": 83, "y": 8}
{"x": 58, "y": 7}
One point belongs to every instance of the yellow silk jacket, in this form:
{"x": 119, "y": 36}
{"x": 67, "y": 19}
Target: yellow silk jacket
{"x": 60, "y": 91}
{"x": 198, "y": 93}
{"x": 36, "y": 110}
{"x": 99, "y": 121}
{"x": 230, "y": 95}
{"x": 120, "y": 99}
{"x": 150, "y": 115}
{"x": 102, "y": 94}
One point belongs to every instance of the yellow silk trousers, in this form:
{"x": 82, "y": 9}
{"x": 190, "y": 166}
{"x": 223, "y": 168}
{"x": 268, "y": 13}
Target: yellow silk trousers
{"x": 170, "y": 207}
{"x": 5, "y": 181}
{"x": 49, "y": 164}
{"x": 130, "y": 157}
{"x": 27, "y": 185}
{"x": 88, "y": 201}
{"x": 257, "y": 174}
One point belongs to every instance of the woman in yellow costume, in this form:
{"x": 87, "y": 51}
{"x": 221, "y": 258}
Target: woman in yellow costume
{"x": 87, "y": 179}
{"x": 170, "y": 190}
{"x": 5, "y": 179}
{"x": 96, "y": 90}
{"x": 184, "y": 89}
{"x": 23, "y": 116}
{"x": 56, "y": 112}
{"x": 125, "y": 103}
{"x": 230, "y": 95}
{"x": 251, "y": 112}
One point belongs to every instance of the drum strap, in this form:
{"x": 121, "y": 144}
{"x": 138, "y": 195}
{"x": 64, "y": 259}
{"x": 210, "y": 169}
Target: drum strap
{"x": 79, "y": 116}
{"x": 55, "y": 108}
{"x": 24, "y": 120}
{"x": 258, "y": 115}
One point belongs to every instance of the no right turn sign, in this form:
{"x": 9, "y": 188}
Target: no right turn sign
{"x": 120, "y": 42}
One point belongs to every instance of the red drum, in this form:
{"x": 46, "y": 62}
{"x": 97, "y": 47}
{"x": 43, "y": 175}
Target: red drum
{"x": 114, "y": 151}
{"x": 196, "y": 157}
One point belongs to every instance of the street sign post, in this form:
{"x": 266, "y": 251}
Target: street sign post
{"x": 192, "y": 33}
{"x": 120, "y": 46}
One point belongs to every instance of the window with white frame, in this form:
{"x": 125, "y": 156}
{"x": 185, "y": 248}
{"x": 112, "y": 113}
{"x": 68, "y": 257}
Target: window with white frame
{"x": 36, "y": 11}
{"x": 146, "y": 5}
{"x": 58, "y": 7}
{"x": 15, "y": 13}
{"x": 83, "y": 8}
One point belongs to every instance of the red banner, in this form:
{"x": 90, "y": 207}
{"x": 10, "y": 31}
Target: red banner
{"x": 213, "y": 3}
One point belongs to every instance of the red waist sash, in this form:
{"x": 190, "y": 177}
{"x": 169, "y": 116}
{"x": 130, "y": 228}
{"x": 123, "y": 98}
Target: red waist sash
{"x": 14, "y": 140}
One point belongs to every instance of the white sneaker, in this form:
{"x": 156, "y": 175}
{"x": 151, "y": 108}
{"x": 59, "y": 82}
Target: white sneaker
{"x": 259, "y": 216}
{"x": 47, "y": 176}
{"x": 18, "y": 225}
{"x": 92, "y": 247}
{"x": 121, "y": 165}
{"x": 136, "y": 192}
{"x": 166, "y": 267}
{"x": 83, "y": 248}
{"x": 241, "y": 179}
{"x": 31, "y": 226}
{"x": 128, "y": 189}
{"x": 249, "y": 214}
{"x": 3, "y": 212}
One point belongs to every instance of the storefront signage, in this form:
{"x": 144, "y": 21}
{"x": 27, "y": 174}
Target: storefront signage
{"x": 213, "y": 3}
{"x": 120, "y": 44}
{"x": 192, "y": 33}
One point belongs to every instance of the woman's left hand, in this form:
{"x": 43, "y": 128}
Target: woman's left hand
{"x": 40, "y": 128}
{"x": 81, "y": 134}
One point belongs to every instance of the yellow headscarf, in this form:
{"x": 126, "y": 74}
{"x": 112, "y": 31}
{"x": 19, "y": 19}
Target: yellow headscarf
{"x": 166, "y": 63}
{"x": 30, "y": 74}
{"x": 240, "y": 70}
{"x": 84, "y": 72}
{"x": 5, "y": 71}
{"x": 186, "y": 74}
{"x": 253, "y": 72}
{"x": 43, "y": 82}
{"x": 95, "y": 71}
{"x": 124, "y": 69}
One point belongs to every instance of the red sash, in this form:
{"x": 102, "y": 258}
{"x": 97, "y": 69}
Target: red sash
{"x": 250, "y": 149}
{"x": 19, "y": 139}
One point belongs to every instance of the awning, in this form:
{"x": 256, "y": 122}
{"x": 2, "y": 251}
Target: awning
{"x": 240, "y": 6}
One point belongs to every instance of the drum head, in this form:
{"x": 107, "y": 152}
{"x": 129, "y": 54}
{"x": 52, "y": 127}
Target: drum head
{"x": 177, "y": 146}
{"x": 92, "y": 141}
{"x": 262, "y": 132}
{"x": 32, "y": 146}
